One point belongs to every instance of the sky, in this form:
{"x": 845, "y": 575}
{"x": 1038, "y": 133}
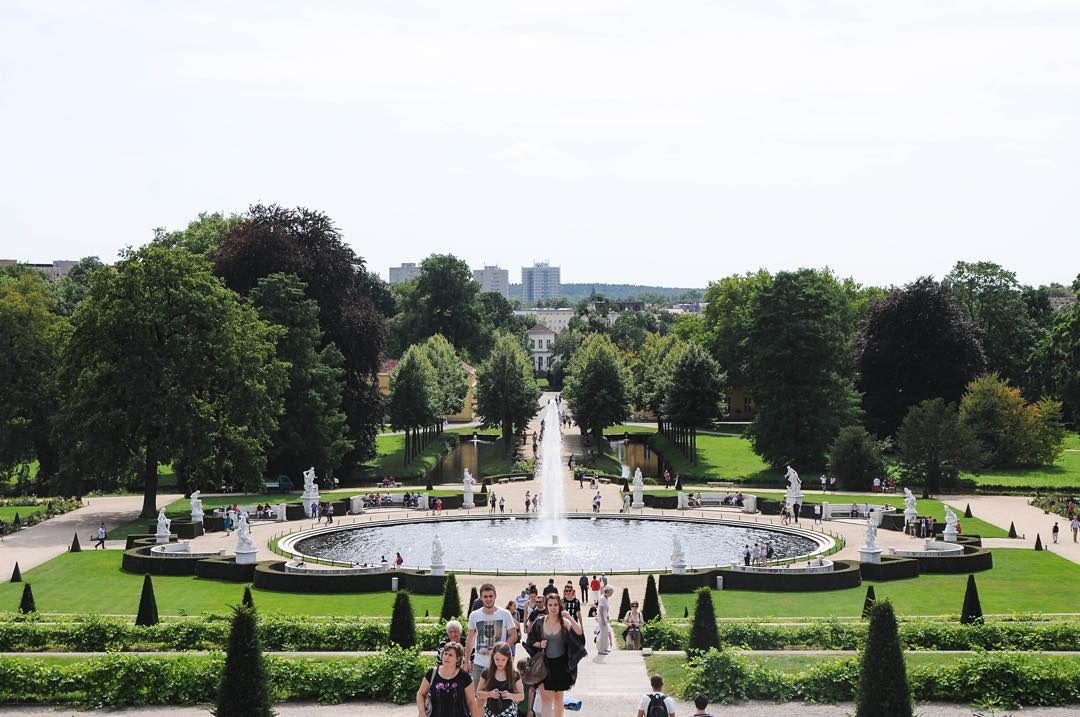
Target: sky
{"x": 664, "y": 143}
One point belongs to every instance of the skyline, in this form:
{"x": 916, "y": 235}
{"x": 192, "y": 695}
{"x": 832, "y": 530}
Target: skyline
{"x": 626, "y": 142}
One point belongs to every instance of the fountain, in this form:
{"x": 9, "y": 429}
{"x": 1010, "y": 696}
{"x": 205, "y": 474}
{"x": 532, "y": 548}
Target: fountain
{"x": 552, "y": 484}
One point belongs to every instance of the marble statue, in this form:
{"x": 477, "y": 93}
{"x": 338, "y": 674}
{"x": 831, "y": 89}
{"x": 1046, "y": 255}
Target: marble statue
{"x": 436, "y": 550}
{"x": 678, "y": 558}
{"x": 309, "y": 480}
{"x": 468, "y": 483}
{"x": 243, "y": 534}
{"x": 909, "y": 500}
{"x": 310, "y": 498}
{"x": 794, "y": 484}
{"x": 871, "y": 533}
{"x": 639, "y": 490}
{"x": 950, "y": 519}
{"x": 163, "y": 523}
{"x": 196, "y": 507}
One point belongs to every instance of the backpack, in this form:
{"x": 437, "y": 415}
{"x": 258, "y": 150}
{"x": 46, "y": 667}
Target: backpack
{"x": 656, "y": 707}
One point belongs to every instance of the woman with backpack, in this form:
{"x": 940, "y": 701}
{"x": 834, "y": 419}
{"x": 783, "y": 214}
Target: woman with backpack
{"x": 448, "y": 686}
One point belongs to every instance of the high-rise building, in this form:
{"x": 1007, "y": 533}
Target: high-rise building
{"x": 540, "y": 282}
{"x": 406, "y": 272}
{"x": 493, "y": 279}
{"x": 57, "y": 270}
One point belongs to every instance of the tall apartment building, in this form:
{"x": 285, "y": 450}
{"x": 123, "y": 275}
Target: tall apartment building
{"x": 405, "y": 272}
{"x": 540, "y": 282}
{"x": 57, "y": 270}
{"x": 493, "y": 279}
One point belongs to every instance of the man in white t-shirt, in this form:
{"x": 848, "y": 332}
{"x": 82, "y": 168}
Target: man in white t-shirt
{"x": 651, "y": 701}
{"x": 487, "y": 626}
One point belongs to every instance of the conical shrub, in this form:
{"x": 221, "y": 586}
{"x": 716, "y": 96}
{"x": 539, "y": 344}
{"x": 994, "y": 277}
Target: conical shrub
{"x": 1038, "y": 542}
{"x": 1012, "y": 530}
{"x": 650, "y": 606}
{"x": 451, "y": 600}
{"x": 703, "y": 633}
{"x": 148, "y": 613}
{"x": 402, "y": 622}
{"x": 16, "y": 574}
{"x": 624, "y": 603}
{"x": 686, "y": 611}
{"x": 473, "y": 597}
{"x": 27, "y": 605}
{"x": 967, "y": 511}
{"x": 247, "y": 600}
{"x": 883, "y": 685}
{"x": 16, "y": 522}
{"x": 972, "y": 611}
{"x": 75, "y": 547}
{"x": 868, "y": 602}
{"x": 244, "y": 690}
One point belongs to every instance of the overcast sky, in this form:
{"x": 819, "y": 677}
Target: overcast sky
{"x": 631, "y": 142}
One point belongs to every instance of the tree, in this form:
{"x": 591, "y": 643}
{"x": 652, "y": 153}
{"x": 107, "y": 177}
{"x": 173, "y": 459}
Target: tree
{"x": 650, "y": 371}
{"x": 728, "y": 317}
{"x": 473, "y": 597}
{"x": 445, "y": 299}
{"x": 312, "y": 431}
{"x": 934, "y": 445}
{"x": 201, "y": 236}
{"x": 995, "y": 300}
{"x": 695, "y": 390}
{"x": 624, "y": 603}
{"x": 273, "y": 239}
{"x": 75, "y": 547}
{"x": 498, "y": 317}
{"x": 33, "y": 338}
{"x": 597, "y": 386}
{"x": 165, "y": 364}
{"x": 506, "y": 392}
{"x": 413, "y": 394}
{"x": 650, "y": 606}
{"x": 972, "y": 610}
{"x": 27, "y": 604}
{"x": 451, "y": 384}
{"x": 1008, "y": 430}
{"x": 75, "y": 285}
{"x": 244, "y": 690}
{"x": 402, "y": 623}
{"x": 451, "y": 603}
{"x": 16, "y": 574}
{"x": 703, "y": 632}
{"x": 868, "y": 602}
{"x": 855, "y": 459}
{"x": 247, "y": 600}
{"x": 148, "y": 612}
{"x": 1056, "y": 360}
{"x": 800, "y": 368}
{"x": 883, "y": 686}
{"x": 916, "y": 344}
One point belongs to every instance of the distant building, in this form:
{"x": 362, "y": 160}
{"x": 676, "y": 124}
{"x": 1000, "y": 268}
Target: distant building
{"x": 1060, "y": 303}
{"x": 540, "y": 282}
{"x": 740, "y": 403}
{"x": 558, "y": 320}
{"x": 539, "y": 340}
{"x": 403, "y": 273}
{"x": 56, "y": 270}
{"x": 493, "y": 279}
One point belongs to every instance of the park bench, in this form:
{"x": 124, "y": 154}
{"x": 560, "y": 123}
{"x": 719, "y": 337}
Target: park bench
{"x": 514, "y": 478}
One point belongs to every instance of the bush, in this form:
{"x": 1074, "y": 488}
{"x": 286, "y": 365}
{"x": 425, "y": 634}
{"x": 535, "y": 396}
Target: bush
{"x": 650, "y": 606}
{"x": 883, "y": 686}
{"x": 661, "y": 635}
{"x": 473, "y": 597}
{"x": 717, "y": 674}
{"x": 402, "y": 622}
{"x": 703, "y": 634}
{"x": 16, "y": 574}
{"x": 26, "y": 604}
{"x": 1010, "y": 431}
{"x": 451, "y": 603}
{"x": 247, "y": 600}
{"x": 75, "y": 547}
{"x": 244, "y": 688}
{"x": 972, "y": 610}
{"x": 624, "y": 603}
{"x": 148, "y": 612}
{"x": 868, "y": 602}
{"x": 855, "y": 459}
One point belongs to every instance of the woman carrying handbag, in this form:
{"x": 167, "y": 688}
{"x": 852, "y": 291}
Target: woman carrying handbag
{"x": 449, "y": 687}
{"x": 561, "y": 640}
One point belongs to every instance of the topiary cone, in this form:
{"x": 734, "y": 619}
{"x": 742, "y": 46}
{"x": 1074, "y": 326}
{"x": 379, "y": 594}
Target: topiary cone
{"x": 1012, "y": 530}
{"x": 16, "y": 574}
{"x": 473, "y": 597}
{"x": 402, "y": 622}
{"x": 967, "y": 511}
{"x": 868, "y": 603}
{"x": 451, "y": 601}
{"x": 686, "y": 611}
{"x": 650, "y": 606}
{"x": 972, "y": 611}
{"x": 16, "y": 522}
{"x": 1038, "y": 542}
{"x": 624, "y": 603}
{"x": 244, "y": 688}
{"x": 27, "y": 605}
{"x": 148, "y": 612}
{"x": 247, "y": 600}
{"x": 703, "y": 633}
{"x": 75, "y": 547}
{"x": 883, "y": 687}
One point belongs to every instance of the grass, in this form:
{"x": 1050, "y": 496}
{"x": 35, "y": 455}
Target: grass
{"x": 1065, "y": 473}
{"x": 92, "y": 582}
{"x": 390, "y": 455}
{"x": 1021, "y": 581}
{"x": 719, "y": 457}
{"x": 7, "y": 512}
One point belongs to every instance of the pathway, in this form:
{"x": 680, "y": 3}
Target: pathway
{"x": 1002, "y": 510}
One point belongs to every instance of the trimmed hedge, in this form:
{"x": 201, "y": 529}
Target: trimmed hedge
{"x": 891, "y": 567}
{"x": 1012, "y": 679}
{"x": 272, "y": 576}
{"x": 132, "y": 680}
{"x": 845, "y": 574}
{"x": 225, "y": 569}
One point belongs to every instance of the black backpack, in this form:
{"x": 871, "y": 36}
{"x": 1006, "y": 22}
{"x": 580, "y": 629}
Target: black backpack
{"x": 657, "y": 707}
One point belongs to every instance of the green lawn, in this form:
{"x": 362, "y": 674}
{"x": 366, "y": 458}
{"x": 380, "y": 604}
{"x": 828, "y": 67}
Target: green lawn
{"x": 92, "y": 582}
{"x": 390, "y": 448}
{"x": 728, "y": 458}
{"x": 7, "y": 512}
{"x": 1021, "y": 581}
{"x": 1065, "y": 473}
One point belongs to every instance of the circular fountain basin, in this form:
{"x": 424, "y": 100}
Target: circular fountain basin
{"x": 520, "y": 545}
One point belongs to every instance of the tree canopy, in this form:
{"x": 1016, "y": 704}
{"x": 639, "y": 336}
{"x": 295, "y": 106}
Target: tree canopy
{"x": 444, "y": 299}
{"x": 506, "y": 391}
{"x": 934, "y": 445}
{"x": 597, "y": 385}
{"x": 695, "y": 389}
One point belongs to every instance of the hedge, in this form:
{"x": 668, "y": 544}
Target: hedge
{"x": 1012, "y": 679}
{"x": 119, "y": 680}
{"x": 831, "y": 634}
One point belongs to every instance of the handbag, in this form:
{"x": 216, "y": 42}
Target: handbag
{"x": 536, "y": 670}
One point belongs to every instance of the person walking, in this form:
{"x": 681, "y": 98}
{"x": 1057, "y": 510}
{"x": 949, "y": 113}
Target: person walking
{"x": 595, "y": 586}
{"x": 656, "y": 703}
{"x": 583, "y": 583}
{"x": 633, "y": 621}
{"x": 1075, "y": 526}
{"x": 563, "y": 643}
{"x": 491, "y": 502}
{"x": 488, "y": 625}
{"x": 101, "y": 537}
{"x": 1054, "y": 531}
{"x": 448, "y": 687}
{"x": 603, "y": 619}
{"x": 500, "y": 687}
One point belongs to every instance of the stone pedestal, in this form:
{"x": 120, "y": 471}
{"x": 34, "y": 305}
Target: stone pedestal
{"x": 161, "y": 538}
{"x": 356, "y": 504}
{"x": 423, "y": 502}
{"x": 826, "y": 511}
{"x": 197, "y": 515}
{"x": 279, "y": 511}
{"x": 247, "y": 557}
{"x": 439, "y": 569}
{"x": 678, "y": 569}
{"x": 467, "y": 502}
{"x": 869, "y": 555}
{"x": 639, "y": 497}
{"x": 950, "y": 534}
{"x": 749, "y": 504}
{"x": 683, "y": 500}
{"x": 793, "y": 496}
{"x": 309, "y": 500}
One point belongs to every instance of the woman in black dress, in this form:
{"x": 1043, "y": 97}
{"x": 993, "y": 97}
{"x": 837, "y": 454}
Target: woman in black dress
{"x": 561, "y": 638}
{"x": 449, "y": 686}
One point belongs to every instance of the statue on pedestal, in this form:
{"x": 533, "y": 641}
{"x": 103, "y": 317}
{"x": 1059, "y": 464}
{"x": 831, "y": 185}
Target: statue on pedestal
{"x": 639, "y": 490}
{"x": 438, "y": 566}
{"x": 243, "y": 534}
{"x": 794, "y": 484}
{"x": 310, "y": 497}
{"x": 871, "y": 534}
{"x": 163, "y": 523}
{"x": 196, "y": 507}
{"x": 678, "y": 558}
{"x": 950, "y": 525}
{"x": 468, "y": 483}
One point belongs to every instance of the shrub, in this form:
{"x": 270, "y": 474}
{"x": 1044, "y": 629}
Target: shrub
{"x": 650, "y": 606}
{"x": 451, "y": 602}
{"x": 148, "y": 612}
{"x": 1038, "y": 542}
{"x": 1010, "y": 431}
{"x": 247, "y": 600}
{"x": 868, "y": 602}
{"x": 16, "y": 574}
{"x": 244, "y": 689}
{"x": 717, "y": 674}
{"x": 972, "y": 611}
{"x": 855, "y": 458}
{"x": 624, "y": 603}
{"x": 402, "y": 623}
{"x": 703, "y": 634}
{"x": 473, "y": 597}
{"x": 1012, "y": 529}
{"x": 75, "y": 547}
{"x": 26, "y": 605}
{"x": 661, "y": 635}
{"x": 883, "y": 686}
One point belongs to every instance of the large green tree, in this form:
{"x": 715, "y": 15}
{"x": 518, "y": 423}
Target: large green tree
{"x": 451, "y": 383}
{"x": 728, "y": 317}
{"x": 916, "y": 344}
{"x": 202, "y": 235}
{"x": 445, "y": 299}
{"x": 1058, "y": 358}
{"x": 598, "y": 385}
{"x": 506, "y": 391}
{"x": 32, "y": 338}
{"x": 166, "y": 364}
{"x": 934, "y": 445}
{"x": 799, "y": 368}
{"x": 312, "y": 431}
{"x": 650, "y": 368}
{"x": 1009, "y": 430}
{"x": 274, "y": 239}
{"x": 75, "y": 285}
{"x": 414, "y": 397}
